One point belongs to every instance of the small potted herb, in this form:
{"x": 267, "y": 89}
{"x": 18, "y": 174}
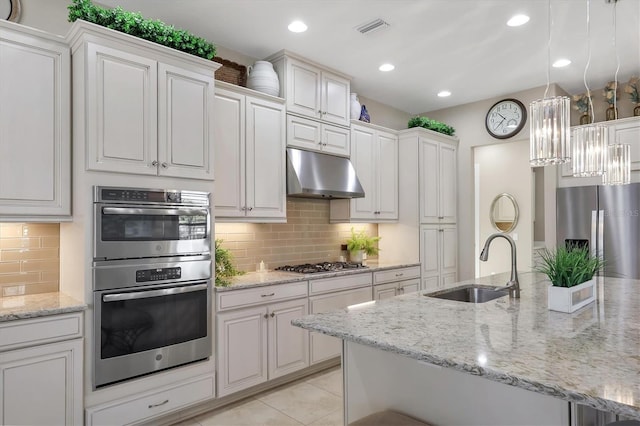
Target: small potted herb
{"x": 224, "y": 266}
{"x": 571, "y": 272}
{"x": 360, "y": 243}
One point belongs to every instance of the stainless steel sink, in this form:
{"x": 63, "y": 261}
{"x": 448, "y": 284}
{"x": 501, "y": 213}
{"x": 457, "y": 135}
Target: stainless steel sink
{"x": 470, "y": 293}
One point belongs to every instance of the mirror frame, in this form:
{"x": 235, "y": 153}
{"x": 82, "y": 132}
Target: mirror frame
{"x": 14, "y": 10}
{"x": 515, "y": 208}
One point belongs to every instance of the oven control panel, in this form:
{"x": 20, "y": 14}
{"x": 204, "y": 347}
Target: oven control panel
{"x": 158, "y": 274}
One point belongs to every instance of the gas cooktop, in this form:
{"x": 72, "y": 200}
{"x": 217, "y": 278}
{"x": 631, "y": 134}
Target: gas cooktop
{"x": 313, "y": 268}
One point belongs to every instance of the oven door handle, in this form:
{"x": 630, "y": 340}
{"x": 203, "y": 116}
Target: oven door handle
{"x": 154, "y": 212}
{"x": 152, "y": 293}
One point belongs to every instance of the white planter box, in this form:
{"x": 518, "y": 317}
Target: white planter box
{"x": 570, "y": 299}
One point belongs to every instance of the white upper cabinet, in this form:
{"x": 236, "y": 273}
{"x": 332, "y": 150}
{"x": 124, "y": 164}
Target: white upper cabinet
{"x": 316, "y": 136}
{"x": 627, "y": 131}
{"x": 374, "y": 154}
{"x": 143, "y": 108}
{"x": 312, "y": 90}
{"x": 438, "y": 170}
{"x": 249, "y": 156}
{"x": 35, "y": 111}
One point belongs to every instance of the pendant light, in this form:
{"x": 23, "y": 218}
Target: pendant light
{"x": 550, "y": 124}
{"x": 618, "y": 157}
{"x": 589, "y": 142}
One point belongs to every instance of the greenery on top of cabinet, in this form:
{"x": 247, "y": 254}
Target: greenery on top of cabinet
{"x": 224, "y": 266}
{"x": 430, "y": 124}
{"x": 135, "y": 24}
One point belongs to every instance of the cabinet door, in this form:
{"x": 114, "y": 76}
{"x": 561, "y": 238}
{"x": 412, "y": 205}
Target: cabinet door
{"x": 229, "y": 153}
{"x": 265, "y": 159}
{"x": 431, "y": 283}
{"x": 35, "y": 141}
{"x": 288, "y": 345}
{"x": 447, "y": 194}
{"x": 385, "y": 291}
{"x": 185, "y": 114}
{"x": 323, "y": 347}
{"x": 387, "y": 176}
{"x": 336, "y": 140}
{"x": 449, "y": 249}
{"x": 242, "y": 349}
{"x": 49, "y": 376}
{"x": 363, "y": 157}
{"x": 411, "y": 286}
{"x": 121, "y": 111}
{"x": 628, "y": 131}
{"x": 335, "y": 99}
{"x": 303, "y": 133}
{"x": 430, "y": 252}
{"x": 429, "y": 175}
{"x": 303, "y": 91}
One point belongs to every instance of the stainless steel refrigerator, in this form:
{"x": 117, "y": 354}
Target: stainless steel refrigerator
{"x": 606, "y": 219}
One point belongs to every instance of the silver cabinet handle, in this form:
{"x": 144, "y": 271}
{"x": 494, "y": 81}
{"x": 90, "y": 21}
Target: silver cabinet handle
{"x": 440, "y": 217}
{"x": 152, "y": 293}
{"x": 319, "y": 111}
{"x": 154, "y": 163}
{"x": 267, "y": 295}
{"x": 250, "y": 208}
{"x": 266, "y": 316}
{"x": 154, "y": 211}
{"x": 272, "y": 315}
{"x": 243, "y": 208}
{"x": 164, "y": 165}
{"x": 159, "y": 404}
{"x": 400, "y": 274}
{"x": 320, "y": 143}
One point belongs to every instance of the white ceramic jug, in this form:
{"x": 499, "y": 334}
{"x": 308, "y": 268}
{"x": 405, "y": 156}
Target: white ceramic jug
{"x": 263, "y": 78}
{"x": 355, "y": 107}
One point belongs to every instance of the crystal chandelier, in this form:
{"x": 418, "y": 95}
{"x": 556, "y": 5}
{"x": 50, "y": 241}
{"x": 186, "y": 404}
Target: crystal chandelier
{"x": 550, "y": 124}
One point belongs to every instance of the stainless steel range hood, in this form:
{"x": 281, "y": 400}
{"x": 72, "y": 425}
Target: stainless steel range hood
{"x": 316, "y": 175}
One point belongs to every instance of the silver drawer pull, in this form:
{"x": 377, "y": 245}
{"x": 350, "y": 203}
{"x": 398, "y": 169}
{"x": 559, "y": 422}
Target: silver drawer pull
{"x": 268, "y": 295}
{"x": 400, "y": 274}
{"x": 158, "y": 405}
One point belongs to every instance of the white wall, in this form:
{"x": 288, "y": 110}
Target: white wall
{"x": 46, "y": 15}
{"x": 468, "y": 120}
{"x": 503, "y": 169}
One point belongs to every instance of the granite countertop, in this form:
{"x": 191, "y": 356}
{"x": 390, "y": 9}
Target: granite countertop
{"x": 261, "y": 279}
{"x": 37, "y": 305}
{"x": 590, "y": 357}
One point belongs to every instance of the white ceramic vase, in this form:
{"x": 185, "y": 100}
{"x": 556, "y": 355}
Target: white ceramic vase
{"x": 356, "y": 256}
{"x": 355, "y": 107}
{"x": 262, "y": 77}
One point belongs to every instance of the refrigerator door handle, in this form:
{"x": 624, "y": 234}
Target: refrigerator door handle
{"x": 593, "y": 244}
{"x": 600, "y": 252}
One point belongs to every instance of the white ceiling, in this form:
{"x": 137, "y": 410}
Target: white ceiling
{"x": 463, "y": 46}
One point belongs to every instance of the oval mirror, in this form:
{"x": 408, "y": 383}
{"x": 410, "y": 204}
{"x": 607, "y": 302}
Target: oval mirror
{"x": 504, "y": 212}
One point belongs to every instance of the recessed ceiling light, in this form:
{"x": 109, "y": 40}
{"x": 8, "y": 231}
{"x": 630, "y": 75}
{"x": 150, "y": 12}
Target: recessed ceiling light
{"x": 297, "y": 27}
{"x": 517, "y": 20}
{"x": 386, "y": 67}
{"x": 444, "y": 93}
{"x": 561, "y": 63}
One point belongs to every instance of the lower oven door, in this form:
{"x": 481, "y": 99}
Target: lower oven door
{"x": 150, "y": 328}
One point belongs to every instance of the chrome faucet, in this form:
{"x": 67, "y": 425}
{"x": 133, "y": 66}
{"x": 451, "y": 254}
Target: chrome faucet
{"x": 513, "y": 285}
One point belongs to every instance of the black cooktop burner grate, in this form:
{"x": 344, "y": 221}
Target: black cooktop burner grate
{"x": 313, "y": 268}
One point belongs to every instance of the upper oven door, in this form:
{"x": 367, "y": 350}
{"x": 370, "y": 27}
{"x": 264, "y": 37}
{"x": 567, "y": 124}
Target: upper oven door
{"x": 128, "y": 231}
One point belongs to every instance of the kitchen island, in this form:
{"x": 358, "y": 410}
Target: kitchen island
{"x": 450, "y": 362}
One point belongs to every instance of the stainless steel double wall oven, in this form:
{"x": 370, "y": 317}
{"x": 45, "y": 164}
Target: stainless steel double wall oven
{"x": 151, "y": 281}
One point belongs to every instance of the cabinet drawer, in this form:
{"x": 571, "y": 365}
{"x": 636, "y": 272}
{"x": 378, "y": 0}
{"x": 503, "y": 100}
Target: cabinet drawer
{"x": 399, "y": 274}
{"x": 30, "y": 332}
{"x": 152, "y": 404}
{"x": 240, "y": 298}
{"x": 339, "y": 300}
{"x": 339, "y": 283}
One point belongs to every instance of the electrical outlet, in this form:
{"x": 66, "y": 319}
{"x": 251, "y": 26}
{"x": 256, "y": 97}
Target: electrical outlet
{"x": 14, "y": 290}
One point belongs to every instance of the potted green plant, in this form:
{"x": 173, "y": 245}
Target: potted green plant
{"x": 224, "y": 266}
{"x": 571, "y": 272}
{"x": 360, "y": 243}
{"x": 431, "y": 124}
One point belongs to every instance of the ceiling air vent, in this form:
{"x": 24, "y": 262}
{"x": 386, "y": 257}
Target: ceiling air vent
{"x": 369, "y": 27}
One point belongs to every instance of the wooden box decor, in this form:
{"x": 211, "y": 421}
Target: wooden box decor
{"x": 231, "y": 72}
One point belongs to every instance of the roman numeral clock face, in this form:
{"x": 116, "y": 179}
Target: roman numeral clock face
{"x": 506, "y": 118}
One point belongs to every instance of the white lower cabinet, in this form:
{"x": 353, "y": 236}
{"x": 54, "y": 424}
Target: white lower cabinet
{"x": 323, "y": 347}
{"x": 439, "y": 258}
{"x": 395, "y": 282}
{"x": 41, "y": 384}
{"x": 149, "y": 405}
{"x": 257, "y": 344}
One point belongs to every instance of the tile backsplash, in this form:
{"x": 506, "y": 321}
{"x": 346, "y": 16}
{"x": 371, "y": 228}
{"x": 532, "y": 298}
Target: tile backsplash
{"x": 306, "y": 237}
{"x": 29, "y": 258}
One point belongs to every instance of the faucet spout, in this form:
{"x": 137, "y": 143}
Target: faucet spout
{"x": 513, "y": 285}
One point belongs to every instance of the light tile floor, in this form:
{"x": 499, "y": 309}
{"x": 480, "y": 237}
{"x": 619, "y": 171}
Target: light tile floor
{"x": 315, "y": 401}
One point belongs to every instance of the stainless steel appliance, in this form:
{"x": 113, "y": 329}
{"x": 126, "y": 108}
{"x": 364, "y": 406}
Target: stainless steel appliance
{"x": 150, "y": 315}
{"x": 134, "y": 223}
{"x": 606, "y": 219}
{"x": 151, "y": 281}
{"x": 314, "y": 268}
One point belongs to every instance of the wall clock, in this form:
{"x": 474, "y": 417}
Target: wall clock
{"x": 505, "y": 118}
{"x": 10, "y": 10}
